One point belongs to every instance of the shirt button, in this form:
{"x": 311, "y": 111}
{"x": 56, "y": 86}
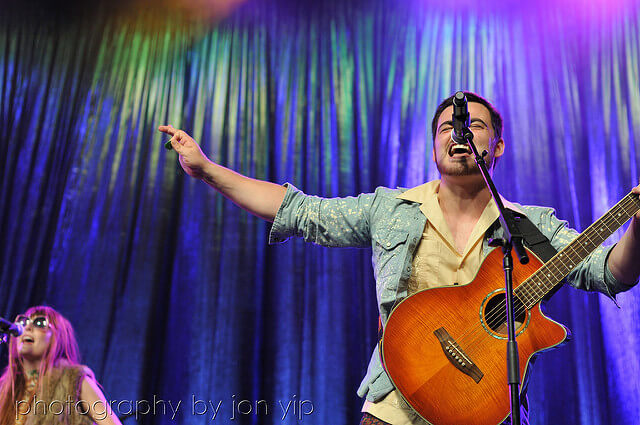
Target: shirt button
{"x": 408, "y": 268}
{"x": 388, "y": 244}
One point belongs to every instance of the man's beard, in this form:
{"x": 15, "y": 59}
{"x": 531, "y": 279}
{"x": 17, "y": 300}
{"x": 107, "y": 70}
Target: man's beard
{"x": 463, "y": 168}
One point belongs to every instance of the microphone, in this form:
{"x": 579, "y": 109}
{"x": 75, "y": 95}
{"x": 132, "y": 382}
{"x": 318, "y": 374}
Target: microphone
{"x": 10, "y": 328}
{"x": 460, "y": 118}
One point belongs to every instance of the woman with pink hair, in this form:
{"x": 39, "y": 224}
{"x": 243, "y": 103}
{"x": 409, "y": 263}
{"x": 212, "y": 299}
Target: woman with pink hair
{"x": 44, "y": 383}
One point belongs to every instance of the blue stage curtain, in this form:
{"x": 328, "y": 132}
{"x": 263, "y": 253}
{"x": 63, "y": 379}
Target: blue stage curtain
{"x": 174, "y": 292}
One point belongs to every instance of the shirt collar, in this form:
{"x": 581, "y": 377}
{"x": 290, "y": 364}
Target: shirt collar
{"x": 422, "y": 193}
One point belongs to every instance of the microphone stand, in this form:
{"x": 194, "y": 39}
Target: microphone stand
{"x": 512, "y": 240}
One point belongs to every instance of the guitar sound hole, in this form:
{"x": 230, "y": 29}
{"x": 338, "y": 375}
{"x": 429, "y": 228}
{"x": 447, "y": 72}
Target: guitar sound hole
{"x": 495, "y": 315}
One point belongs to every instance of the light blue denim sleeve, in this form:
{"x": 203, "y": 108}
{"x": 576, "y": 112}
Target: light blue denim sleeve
{"x": 335, "y": 222}
{"x": 592, "y": 274}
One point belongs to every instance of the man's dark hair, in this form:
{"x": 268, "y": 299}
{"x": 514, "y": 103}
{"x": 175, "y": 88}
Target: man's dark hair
{"x": 496, "y": 118}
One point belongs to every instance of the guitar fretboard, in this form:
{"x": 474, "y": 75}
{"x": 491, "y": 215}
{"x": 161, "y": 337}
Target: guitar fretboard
{"x": 543, "y": 281}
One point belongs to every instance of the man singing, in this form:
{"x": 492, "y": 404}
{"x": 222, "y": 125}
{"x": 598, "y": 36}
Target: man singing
{"x": 431, "y": 235}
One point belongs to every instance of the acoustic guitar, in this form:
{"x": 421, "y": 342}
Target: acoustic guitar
{"x": 444, "y": 348}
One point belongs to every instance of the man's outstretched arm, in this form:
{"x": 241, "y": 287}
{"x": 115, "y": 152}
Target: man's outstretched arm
{"x": 624, "y": 260}
{"x": 258, "y": 197}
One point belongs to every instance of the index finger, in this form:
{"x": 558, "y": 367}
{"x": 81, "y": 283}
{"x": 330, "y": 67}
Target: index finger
{"x": 168, "y": 129}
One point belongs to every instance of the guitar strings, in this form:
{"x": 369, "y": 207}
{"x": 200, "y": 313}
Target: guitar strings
{"x": 499, "y": 311}
{"x": 627, "y": 201}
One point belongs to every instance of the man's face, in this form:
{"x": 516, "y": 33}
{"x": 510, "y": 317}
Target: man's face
{"x": 455, "y": 160}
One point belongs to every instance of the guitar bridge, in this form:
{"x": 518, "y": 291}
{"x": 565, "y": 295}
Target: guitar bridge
{"x": 457, "y": 356}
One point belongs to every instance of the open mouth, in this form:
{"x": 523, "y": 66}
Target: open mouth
{"x": 459, "y": 149}
{"x": 27, "y": 339}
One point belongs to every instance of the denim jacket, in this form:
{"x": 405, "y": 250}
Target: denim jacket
{"x": 393, "y": 228}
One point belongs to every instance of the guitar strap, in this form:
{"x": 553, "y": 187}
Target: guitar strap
{"x": 533, "y": 238}
{"x": 538, "y": 244}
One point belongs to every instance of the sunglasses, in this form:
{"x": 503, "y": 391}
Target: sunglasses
{"x": 38, "y": 321}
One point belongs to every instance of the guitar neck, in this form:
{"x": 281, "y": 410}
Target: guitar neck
{"x": 545, "y": 279}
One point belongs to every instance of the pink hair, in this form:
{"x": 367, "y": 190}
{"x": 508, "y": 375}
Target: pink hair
{"x": 63, "y": 349}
